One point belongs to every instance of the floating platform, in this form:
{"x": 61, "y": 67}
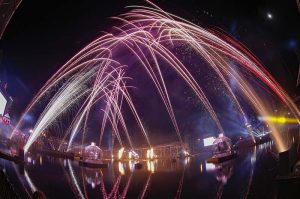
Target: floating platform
{"x": 218, "y": 158}
{"x": 93, "y": 164}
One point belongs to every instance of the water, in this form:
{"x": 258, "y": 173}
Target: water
{"x": 250, "y": 175}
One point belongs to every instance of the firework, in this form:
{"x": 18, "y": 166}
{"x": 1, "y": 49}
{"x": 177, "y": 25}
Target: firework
{"x": 150, "y": 35}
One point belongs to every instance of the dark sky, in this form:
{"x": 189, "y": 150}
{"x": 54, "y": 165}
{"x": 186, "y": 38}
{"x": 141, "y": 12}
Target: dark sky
{"x": 43, "y": 35}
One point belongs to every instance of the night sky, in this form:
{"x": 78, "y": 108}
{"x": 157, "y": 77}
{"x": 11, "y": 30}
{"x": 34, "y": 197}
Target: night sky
{"x": 43, "y": 35}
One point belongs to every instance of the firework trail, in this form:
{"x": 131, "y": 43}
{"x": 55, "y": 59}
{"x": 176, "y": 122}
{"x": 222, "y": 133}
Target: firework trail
{"x": 150, "y": 36}
{"x": 146, "y": 187}
{"x": 74, "y": 179}
{"x": 124, "y": 193}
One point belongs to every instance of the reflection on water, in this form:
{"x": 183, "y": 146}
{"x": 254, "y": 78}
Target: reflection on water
{"x": 93, "y": 177}
{"x": 31, "y": 185}
{"x": 121, "y": 168}
{"x": 151, "y": 165}
{"x": 224, "y": 171}
{"x": 181, "y": 178}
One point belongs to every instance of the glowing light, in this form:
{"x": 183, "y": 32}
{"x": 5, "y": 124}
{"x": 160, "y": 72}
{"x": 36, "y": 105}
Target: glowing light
{"x": 150, "y": 154}
{"x": 186, "y": 153}
{"x": 201, "y": 168}
{"x": 248, "y": 125}
{"x": 269, "y": 15}
{"x": 74, "y": 179}
{"x": 131, "y": 165}
{"x": 31, "y": 185}
{"x": 187, "y": 160}
{"x": 280, "y": 120}
{"x": 151, "y": 166}
{"x": 41, "y": 160}
{"x": 97, "y": 73}
{"x": 120, "y": 153}
{"x": 210, "y": 167}
{"x": 3, "y": 103}
{"x": 121, "y": 168}
{"x": 208, "y": 141}
{"x": 132, "y": 155}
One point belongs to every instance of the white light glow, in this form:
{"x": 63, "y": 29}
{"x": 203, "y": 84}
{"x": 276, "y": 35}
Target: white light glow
{"x": 121, "y": 168}
{"x": 209, "y": 167}
{"x": 3, "y": 103}
{"x": 208, "y": 141}
{"x": 151, "y": 166}
{"x": 120, "y": 153}
{"x": 150, "y": 154}
{"x": 269, "y": 15}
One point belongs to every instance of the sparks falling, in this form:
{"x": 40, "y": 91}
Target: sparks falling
{"x": 150, "y": 35}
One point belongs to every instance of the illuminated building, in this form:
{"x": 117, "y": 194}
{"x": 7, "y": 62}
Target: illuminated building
{"x": 5, "y": 104}
{"x": 93, "y": 152}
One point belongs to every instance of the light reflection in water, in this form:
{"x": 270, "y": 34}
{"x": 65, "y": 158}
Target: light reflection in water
{"x": 253, "y": 157}
{"x": 224, "y": 171}
{"x": 201, "y": 168}
{"x": 30, "y": 183}
{"x": 117, "y": 186}
{"x": 131, "y": 164}
{"x": 186, "y": 161}
{"x": 93, "y": 177}
{"x": 29, "y": 159}
{"x": 121, "y": 168}
{"x": 151, "y": 164}
{"x": 41, "y": 160}
{"x": 74, "y": 180}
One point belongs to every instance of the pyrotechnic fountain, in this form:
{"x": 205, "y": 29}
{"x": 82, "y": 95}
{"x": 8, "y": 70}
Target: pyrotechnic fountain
{"x": 99, "y": 74}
